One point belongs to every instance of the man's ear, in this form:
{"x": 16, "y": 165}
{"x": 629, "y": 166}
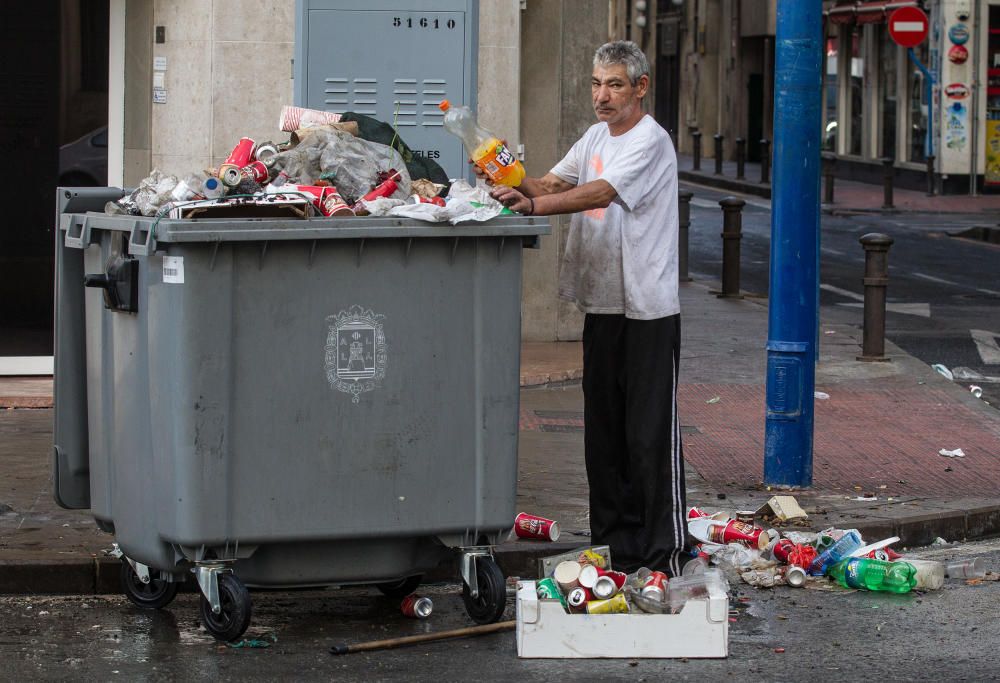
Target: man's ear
{"x": 642, "y": 86}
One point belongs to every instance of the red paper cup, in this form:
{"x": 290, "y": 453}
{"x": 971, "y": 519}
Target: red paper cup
{"x": 293, "y": 118}
{"x": 531, "y": 526}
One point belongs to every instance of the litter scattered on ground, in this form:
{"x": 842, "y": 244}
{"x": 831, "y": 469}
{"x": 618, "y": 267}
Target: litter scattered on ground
{"x": 943, "y": 371}
{"x": 782, "y": 508}
{"x": 821, "y": 395}
{"x": 955, "y": 453}
{"x": 976, "y": 390}
{"x": 714, "y": 399}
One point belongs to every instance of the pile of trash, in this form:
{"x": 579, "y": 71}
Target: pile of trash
{"x": 329, "y": 166}
{"x": 584, "y": 582}
{"x": 766, "y": 557}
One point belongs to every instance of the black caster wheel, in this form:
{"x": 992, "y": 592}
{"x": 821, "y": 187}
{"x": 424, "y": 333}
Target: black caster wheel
{"x": 234, "y": 617}
{"x": 492, "y": 600}
{"x": 400, "y": 589}
{"x": 153, "y": 595}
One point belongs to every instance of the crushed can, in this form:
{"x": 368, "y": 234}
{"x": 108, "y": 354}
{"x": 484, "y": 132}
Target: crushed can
{"x": 578, "y": 599}
{"x": 547, "y": 589}
{"x": 656, "y": 587}
{"x": 604, "y": 587}
{"x": 230, "y": 170}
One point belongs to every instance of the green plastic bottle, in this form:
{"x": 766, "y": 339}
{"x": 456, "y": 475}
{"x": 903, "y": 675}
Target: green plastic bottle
{"x": 875, "y": 575}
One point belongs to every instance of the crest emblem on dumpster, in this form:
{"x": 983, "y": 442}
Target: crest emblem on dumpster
{"x": 355, "y": 351}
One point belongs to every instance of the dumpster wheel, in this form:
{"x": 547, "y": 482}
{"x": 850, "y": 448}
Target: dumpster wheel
{"x": 153, "y": 595}
{"x": 491, "y": 602}
{"x": 400, "y": 589}
{"x": 234, "y": 613}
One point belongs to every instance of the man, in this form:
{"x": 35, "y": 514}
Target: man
{"x": 620, "y": 267}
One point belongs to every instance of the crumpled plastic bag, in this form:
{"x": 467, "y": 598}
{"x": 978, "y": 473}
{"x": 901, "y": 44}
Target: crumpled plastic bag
{"x": 154, "y": 192}
{"x": 764, "y": 578}
{"x": 464, "y": 203}
{"x": 352, "y": 164}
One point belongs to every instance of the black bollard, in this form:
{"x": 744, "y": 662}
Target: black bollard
{"x": 876, "y": 282}
{"x": 930, "y": 175}
{"x": 732, "y": 226}
{"x": 684, "y": 222}
{"x": 741, "y": 157}
{"x": 696, "y": 136}
{"x": 887, "y": 170}
{"x": 829, "y": 166}
{"x": 765, "y": 161}
{"x": 719, "y": 137}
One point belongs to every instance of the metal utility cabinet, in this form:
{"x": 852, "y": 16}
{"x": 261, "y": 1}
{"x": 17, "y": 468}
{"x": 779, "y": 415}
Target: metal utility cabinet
{"x": 289, "y": 402}
{"x": 394, "y": 60}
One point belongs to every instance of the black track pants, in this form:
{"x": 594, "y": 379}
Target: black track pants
{"x": 632, "y": 440}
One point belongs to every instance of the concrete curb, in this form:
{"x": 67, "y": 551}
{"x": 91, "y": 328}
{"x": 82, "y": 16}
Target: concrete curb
{"x": 516, "y": 558}
{"x": 724, "y": 183}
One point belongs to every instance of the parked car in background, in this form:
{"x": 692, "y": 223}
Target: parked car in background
{"x": 84, "y": 162}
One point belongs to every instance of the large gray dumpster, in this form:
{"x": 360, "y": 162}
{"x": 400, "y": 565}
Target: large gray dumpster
{"x": 283, "y": 402}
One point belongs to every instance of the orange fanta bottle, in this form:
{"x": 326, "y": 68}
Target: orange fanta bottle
{"x": 487, "y": 151}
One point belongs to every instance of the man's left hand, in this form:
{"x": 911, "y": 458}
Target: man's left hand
{"x": 511, "y": 198}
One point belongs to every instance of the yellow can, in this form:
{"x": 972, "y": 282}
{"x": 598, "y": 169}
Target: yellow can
{"x": 616, "y": 605}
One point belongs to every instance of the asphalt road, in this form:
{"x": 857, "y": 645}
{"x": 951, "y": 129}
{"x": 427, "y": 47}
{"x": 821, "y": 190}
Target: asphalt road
{"x": 837, "y": 635}
{"x": 941, "y": 287}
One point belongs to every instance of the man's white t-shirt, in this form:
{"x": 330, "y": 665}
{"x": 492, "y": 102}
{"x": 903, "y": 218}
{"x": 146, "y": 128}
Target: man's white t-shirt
{"x": 623, "y": 259}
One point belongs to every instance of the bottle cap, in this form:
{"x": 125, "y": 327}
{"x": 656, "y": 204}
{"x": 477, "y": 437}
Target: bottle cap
{"x": 445, "y": 105}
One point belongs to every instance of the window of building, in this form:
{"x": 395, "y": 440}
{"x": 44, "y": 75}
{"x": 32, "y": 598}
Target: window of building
{"x": 887, "y": 81}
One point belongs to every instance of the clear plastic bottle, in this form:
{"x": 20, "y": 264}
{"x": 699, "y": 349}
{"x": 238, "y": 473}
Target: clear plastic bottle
{"x": 486, "y": 150}
{"x": 875, "y": 575}
{"x": 840, "y": 550}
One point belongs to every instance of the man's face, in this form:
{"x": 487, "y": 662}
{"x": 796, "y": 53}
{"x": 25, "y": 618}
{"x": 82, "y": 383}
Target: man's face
{"x": 615, "y": 98}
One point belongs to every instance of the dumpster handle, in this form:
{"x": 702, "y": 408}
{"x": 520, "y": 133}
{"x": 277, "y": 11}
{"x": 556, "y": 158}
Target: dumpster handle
{"x": 78, "y": 233}
{"x": 141, "y": 241}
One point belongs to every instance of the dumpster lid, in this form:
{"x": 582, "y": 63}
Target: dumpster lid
{"x": 79, "y": 226}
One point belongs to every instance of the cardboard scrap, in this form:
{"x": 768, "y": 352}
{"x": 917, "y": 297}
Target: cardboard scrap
{"x": 783, "y": 508}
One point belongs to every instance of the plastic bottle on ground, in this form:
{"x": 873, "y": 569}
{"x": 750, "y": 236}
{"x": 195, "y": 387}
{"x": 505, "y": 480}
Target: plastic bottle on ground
{"x": 487, "y": 151}
{"x": 840, "y": 550}
{"x": 875, "y": 575}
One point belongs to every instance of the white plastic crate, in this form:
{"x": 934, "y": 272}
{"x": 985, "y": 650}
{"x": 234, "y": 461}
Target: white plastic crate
{"x": 545, "y": 630}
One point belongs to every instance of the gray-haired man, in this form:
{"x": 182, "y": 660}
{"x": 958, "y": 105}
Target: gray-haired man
{"x": 620, "y": 267}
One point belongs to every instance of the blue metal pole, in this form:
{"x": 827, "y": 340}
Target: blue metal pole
{"x": 793, "y": 312}
{"x": 929, "y": 84}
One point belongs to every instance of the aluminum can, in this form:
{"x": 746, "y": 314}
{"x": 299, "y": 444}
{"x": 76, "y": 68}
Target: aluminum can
{"x": 738, "y": 532}
{"x": 265, "y": 152}
{"x": 604, "y": 587}
{"x": 656, "y": 587}
{"x": 532, "y": 526}
{"x": 547, "y": 589}
{"x": 230, "y": 170}
{"x": 332, "y": 204}
{"x": 795, "y": 576}
{"x": 255, "y": 171}
{"x": 615, "y": 605}
{"x": 578, "y": 599}
{"x": 416, "y": 606}
{"x": 781, "y": 550}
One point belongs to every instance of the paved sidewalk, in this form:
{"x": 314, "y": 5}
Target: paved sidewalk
{"x": 849, "y": 196}
{"x": 876, "y": 462}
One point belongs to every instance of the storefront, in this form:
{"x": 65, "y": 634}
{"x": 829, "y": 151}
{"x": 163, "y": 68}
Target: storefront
{"x": 878, "y": 102}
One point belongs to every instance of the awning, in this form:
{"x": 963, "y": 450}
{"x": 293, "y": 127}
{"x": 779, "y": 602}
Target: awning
{"x": 867, "y": 12}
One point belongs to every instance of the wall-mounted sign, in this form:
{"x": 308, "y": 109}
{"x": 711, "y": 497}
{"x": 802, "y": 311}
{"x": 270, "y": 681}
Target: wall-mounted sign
{"x": 956, "y": 126}
{"x": 908, "y": 26}
{"x": 958, "y": 54}
{"x": 957, "y": 91}
{"x": 959, "y": 34}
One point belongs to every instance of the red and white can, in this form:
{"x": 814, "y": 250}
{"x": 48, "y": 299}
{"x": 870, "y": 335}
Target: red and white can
{"x": 656, "y": 587}
{"x": 696, "y": 512}
{"x": 604, "y": 588}
{"x": 256, "y": 171}
{"x": 416, "y": 606}
{"x": 578, "y": 599}
{"x": 781, "y": 550}
{"x": 532, "y": 526}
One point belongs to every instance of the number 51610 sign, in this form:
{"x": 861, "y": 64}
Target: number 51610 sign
{"x": 422, "y": 22}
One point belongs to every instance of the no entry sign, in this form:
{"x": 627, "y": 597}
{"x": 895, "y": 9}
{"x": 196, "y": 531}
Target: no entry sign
{"x": 908, "y": 26}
